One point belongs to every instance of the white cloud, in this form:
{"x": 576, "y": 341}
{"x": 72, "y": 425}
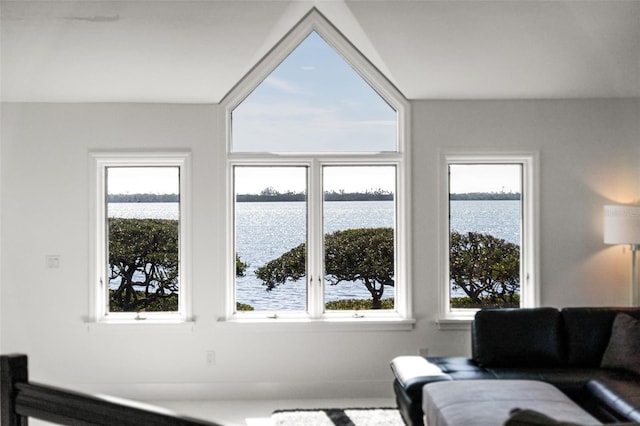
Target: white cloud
{"x": 280, "y": 110}
{"x": 283, "y": 85}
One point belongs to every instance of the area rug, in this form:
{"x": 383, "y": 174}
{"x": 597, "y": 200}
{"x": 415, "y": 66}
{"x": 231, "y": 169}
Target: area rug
{"x": 338, "y": 417}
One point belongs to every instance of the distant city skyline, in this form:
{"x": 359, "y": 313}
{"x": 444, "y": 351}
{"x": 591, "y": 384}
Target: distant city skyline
{"x": 252, "y": 180}
{"x": 464, "y": 179}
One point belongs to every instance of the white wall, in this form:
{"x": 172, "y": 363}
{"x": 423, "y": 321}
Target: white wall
{"x": 589, "y": 156}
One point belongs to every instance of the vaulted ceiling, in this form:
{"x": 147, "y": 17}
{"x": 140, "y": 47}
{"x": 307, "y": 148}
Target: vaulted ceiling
{"x": 195, "y": 51}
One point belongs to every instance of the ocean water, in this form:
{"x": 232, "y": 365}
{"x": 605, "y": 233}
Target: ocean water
{"x": 266, "y": 230}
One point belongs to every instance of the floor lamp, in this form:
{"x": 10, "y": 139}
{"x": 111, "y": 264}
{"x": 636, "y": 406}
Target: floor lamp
{"x": 622, "y": 226}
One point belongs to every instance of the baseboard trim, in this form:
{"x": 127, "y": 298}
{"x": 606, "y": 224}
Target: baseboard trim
{"x": 239, "y": 390}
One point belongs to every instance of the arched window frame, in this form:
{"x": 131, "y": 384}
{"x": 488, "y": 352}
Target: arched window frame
{"x": 314, "y": 21}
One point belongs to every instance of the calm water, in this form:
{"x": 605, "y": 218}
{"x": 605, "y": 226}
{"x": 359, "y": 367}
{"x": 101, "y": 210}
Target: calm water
{"x": 282, "y": 226}
{"x": 267, "y": 230}
{"x": 498, "y": 218}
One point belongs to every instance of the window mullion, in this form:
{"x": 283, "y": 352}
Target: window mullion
{"x": 102, "y": 298}
{"x": 315, "y": 281}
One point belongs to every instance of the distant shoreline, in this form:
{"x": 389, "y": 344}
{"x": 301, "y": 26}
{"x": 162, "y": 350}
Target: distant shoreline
{"x": 329, "y": 196}
{"x": 143, "y": 198}
{"x": 485, "y": 196}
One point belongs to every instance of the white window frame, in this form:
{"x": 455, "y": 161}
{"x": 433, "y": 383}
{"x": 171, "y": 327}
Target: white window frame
{"x": 529, "y": 265}
{"x": 100, "y": 162}
{"x": 314, "y": 21}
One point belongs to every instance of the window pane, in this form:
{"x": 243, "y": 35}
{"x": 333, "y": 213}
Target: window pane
{"x": 359, "y": 217}
{"x": 143, "y": 238}
{"x": 271, "y": 235}
{"x": 314, "y": 101}
{"x": 485, "y": 216}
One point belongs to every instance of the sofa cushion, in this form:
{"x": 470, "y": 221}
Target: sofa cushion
{"x": 623, "y": 351}
{"x": 517, "y": 338}
{"x": 489, "y": 402}
{"x": 587, "y": 332}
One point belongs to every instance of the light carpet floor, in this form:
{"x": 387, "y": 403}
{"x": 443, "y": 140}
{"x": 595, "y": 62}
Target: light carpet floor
{"x": 338, "y": 417}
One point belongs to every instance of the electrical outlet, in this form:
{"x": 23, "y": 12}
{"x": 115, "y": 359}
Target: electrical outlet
{"x": 53, "y": 261}
{"x": 211, "y": 358}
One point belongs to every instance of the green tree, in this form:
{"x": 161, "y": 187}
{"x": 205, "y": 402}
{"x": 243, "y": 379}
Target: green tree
{"x": 365, "y": 254}
{"x": 241, "y": 267}
{"x": 143, "y": 255}
{"x": 486, "y": 268}
{"x": 241, "y": 270}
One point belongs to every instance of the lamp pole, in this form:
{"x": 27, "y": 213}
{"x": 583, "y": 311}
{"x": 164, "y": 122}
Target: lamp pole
{"x": 635, "y": 290}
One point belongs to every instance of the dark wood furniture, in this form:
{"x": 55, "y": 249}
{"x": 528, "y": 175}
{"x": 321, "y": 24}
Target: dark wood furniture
{"x": 21, "y": 399}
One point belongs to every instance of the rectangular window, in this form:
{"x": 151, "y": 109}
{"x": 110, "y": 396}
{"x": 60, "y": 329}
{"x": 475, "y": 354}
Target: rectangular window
{"x": 313, "y": 239}
{"x": 141, "y": 237}
{"x": 359, "y": 237}
{"x": 490, "y": 237}
{"x": 270, "y": 238}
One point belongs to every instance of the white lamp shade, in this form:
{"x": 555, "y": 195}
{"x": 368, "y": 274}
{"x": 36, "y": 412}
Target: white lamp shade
{"x": 622, "y": 224}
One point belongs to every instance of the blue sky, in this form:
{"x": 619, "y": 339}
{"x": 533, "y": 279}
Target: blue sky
{"x": 314, "y": 102}
{"x": 143, "y": 180}
{"x": 485, "y": 178}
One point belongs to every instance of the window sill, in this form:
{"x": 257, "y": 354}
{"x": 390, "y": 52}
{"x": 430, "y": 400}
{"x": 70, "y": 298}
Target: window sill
{"x": 454, "y": 324}
{"x": 156, "y": 325}
{"x": 323, "y": 324}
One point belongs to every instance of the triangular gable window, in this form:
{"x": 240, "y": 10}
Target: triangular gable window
{"x": 314, "y": 124}
{"x": 314, "y": 101}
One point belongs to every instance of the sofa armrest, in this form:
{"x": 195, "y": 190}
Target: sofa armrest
{"x": 413, "y": 372}
{"x": 617, "y": 396}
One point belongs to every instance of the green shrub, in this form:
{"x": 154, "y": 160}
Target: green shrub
{"x": 485, "y": 268}
{"x": 357, "y": 304}
{"x": 363, "y": 254}
{"x": 165, "y": 304}
{"x": 143, "y": 254}
{"x": 338, "y": 305}
{"x": 241, "y": 267}
{"x": 485, "y": 302}
{"x": 243, "y": 307}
